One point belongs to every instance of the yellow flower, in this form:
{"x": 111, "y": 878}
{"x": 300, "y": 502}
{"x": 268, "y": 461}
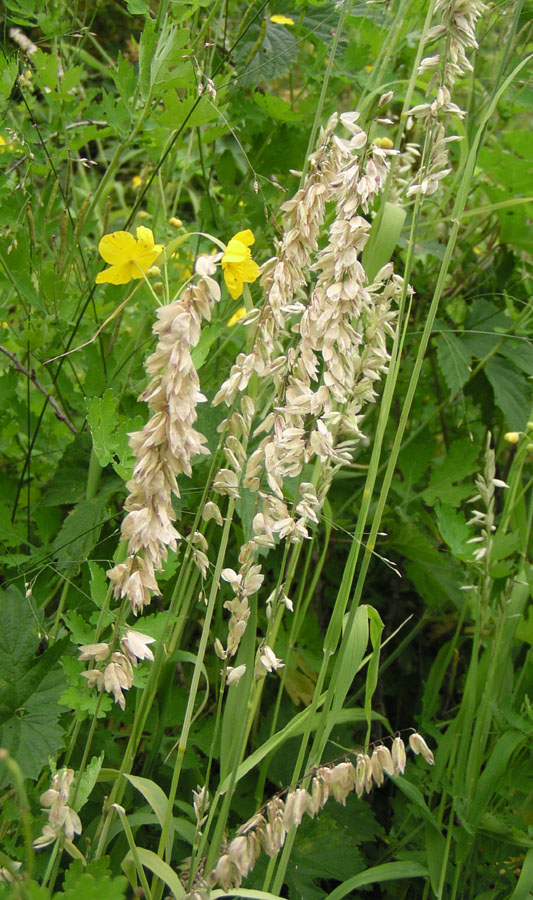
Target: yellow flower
{"x": 136, "y": 181}
{"x": 385, "y": 143}
{"x": 237, "y": 316}
{"x": 128, "y": 258}
{"x": 4, "y": 145}
{"x": 237, "y": 263}
{"x": 281, "y": 20}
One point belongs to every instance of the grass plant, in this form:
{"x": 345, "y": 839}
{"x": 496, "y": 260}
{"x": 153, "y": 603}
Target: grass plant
{"x": 267, "y": 496}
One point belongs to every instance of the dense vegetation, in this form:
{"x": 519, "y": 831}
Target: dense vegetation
{"x": 266, "y": 437}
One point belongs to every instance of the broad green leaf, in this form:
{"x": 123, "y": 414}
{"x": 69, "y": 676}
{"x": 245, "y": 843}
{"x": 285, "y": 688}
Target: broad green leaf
{"x": 276, "y": 108}
{"x": 94, "y": 882}
{"x": 88, "y": 781}
{"x": 383, "y": 238}
{"x": 454, "y": 361}
{"x": 159, "y": 867}
{"x": 512, "y": 391}
{"x": 453, "y": 529}
{"x": 80, "y": 532}
{"x": 102, "y": 422}
{"x": 459, "y": 463}
{"x": 157, "y": 799}
{"x": 30, "y": 687}
{"x": 376, "y": 875}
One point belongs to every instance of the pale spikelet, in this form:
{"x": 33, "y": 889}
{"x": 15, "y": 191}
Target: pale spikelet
{"x": 398, "y": 755}
{"x": 267, "y": 830}
{"x": 419, "y": 746}
{"x": 61, "y": 818}
{"x": 456, "y": 29}
{"x": 165, "y": 446}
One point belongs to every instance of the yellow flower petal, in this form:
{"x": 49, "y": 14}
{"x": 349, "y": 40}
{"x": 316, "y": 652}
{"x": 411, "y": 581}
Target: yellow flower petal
{"x": 236, "y": 317}
{"x": 279, "y": 19}
{"x": 236, "y": 252}
{"x": 249, "y": 270}
{"x": 245, "y": 237}
{"x": 129, "y": 258}
{"x": 115, "y": 275}
{"x": 117, "y": 247}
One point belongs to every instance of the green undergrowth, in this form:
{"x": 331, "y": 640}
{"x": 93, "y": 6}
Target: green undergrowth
{"x": 408, "y": 611}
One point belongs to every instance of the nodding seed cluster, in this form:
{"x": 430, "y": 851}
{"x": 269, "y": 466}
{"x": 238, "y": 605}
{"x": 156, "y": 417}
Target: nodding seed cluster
{"x": 165, "y": 446}
{"x": 319, "y": 382}
{"x": 62, "y": 819}
{"x": 266, "y": 830}
{"x": 457, "y": 30}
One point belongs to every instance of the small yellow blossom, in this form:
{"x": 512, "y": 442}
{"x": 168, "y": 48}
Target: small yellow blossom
{"x": 368, "y": 69}
{"x": 477, "y": 251}
{"x": 128, "y": 258}
{"x": 385, "y": 143}
{"x": 512, "y": 437}
{"x": 136, "y": 181}
{"x": 5, "y": 146}
{"x": 237, "y": 263}
{"x": 176, "y": 223}
{"x": 281, "y": 20}
{"x": 236, "y": 317}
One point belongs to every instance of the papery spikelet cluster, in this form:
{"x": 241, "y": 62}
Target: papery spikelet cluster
{"x": 457, "y": 32}
{"x": 266, "y": 830}
{"x": 62, "y": 819}
{"x": 484, "y": 519}
{"x": 117, "y": 675}
{"x": 165, "y": 446}
{"x": 319, "y": 356}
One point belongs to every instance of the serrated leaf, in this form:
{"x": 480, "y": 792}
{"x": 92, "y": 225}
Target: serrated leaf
{"x": 453, "y": 529}
{"x": 80, "y": 532}
{"x": 99, "y": 584}
{"x": 512, "y": 391}
{"x": 93, "y": 883}
{"x": 88, "y": 781}
{"x": 276, "y": 108}
{"x": 30, "y": 687}
{"x": 460, "y": 462}
{"x": 454, "y": 361}
{"x": 102, "y": 422}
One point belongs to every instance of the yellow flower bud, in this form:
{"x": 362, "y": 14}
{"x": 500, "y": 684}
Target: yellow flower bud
{"x": 176, "y": 223}
{"x": 512, "y": 437}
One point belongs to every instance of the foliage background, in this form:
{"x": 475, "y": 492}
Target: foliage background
{"x": 103, "y": 128}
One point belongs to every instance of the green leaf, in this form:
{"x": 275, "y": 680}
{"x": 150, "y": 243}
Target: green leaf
{"x": 102, "y": 422}
{"x": 512, "y": 392}
{"x": 454, "y": 361}
{"x": 522, "y": 890}
{"x": 156, "y": 798}
{"x": 88, "y": 781}
{"x": 376, "y": 875}
{"x": 159, "y": 867}
{"x": 384, "y": 235}
{"x": 276, "y": 108}
{"x": 80, "y": 532}
{"x": 30, "y": 687}
{"x": 460, "y": 462}
{"x": 453, "y": 529}
{"x": 92, "y": 883}
{"x": 492, "y": 774}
